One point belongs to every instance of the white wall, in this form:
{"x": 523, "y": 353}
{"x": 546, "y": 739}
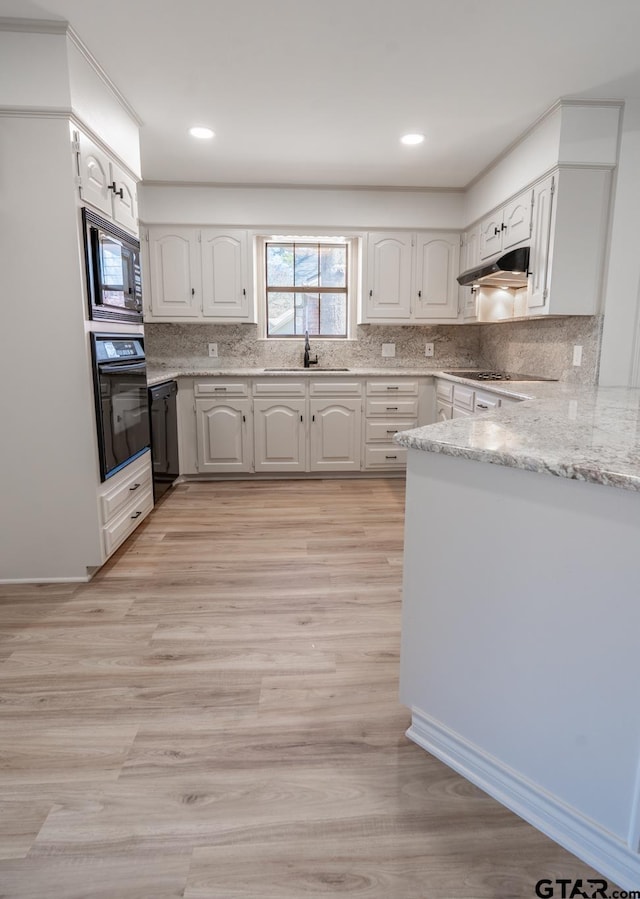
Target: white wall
{"x": 34, "y": 70}
{"x": 621, "y": 334}
{"x": 288, "y": 207}
{"x": 48, "y": 466}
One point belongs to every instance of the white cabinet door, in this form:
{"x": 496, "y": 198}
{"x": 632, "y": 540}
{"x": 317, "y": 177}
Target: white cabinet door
{"x": 460, "y": 413}
{"x": 335, "y": 434}
{"x": 539, "y": 262}
{"x": 223, "y": 435}
{"x": 388, "y": 282}
{"x": 516, "y": 221}
{"x": 125, "y": 205}
{"x": 491, "y": 235}
{"x": 174, "y": 267}
{"x": 225, "y": 274}
{"x": 280, "y": 434}
{"x": 95, "y": 175}
{"x": 437, "y": 259}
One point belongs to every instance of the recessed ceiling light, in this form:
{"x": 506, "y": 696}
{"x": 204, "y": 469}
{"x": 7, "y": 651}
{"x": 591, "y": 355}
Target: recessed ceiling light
{"x": 203, "y": 133}
{"x": 412, "y": 139}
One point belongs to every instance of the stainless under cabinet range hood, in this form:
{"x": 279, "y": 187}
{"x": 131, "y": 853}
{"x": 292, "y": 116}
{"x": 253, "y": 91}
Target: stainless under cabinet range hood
{"x": 510, "y": 270}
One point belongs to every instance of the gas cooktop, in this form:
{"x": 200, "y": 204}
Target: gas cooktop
{"x": 496, "y": 376}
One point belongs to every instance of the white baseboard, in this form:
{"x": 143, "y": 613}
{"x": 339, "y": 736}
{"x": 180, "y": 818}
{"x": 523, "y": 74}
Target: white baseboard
{"x": 580, "y": 835}
{"x": 46, "y": 580}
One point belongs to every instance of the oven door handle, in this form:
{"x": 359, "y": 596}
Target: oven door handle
{"x": 113, "y": 368}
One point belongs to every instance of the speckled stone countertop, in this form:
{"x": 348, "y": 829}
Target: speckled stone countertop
{"x": 584, "y": 433}
{"x": 158, "y": 375}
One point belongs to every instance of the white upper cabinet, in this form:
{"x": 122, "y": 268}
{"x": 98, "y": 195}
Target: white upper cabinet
{"x": 199, "y": 275}
{"x": 105, "y": 185}
{"x": 225, "y": 274}
{"x": 469, "y": 258}
{"x": 436, "y": 268}
{"x": 507, "y": 227}
{"x": 571, "y": 216}
{"x": 388, "y": 281}
{"x": 411, "y": 278}
{"x": 174, "y": 270}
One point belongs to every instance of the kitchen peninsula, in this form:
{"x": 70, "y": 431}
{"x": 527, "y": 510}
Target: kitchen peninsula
{"x": 521, "y": 613}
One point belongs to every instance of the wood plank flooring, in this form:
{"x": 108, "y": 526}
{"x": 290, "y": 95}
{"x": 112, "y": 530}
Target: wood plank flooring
{"x": 215, "y": 716}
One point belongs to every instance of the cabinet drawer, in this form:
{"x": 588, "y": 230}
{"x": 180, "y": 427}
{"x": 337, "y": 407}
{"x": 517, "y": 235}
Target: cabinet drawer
{"x": 392, "y": 387}
{"x": 124, "y": 524}
{"x": 484, "y": 402}
{"x": 278, "y": 387}
{"x": 221, "y": 388}
{"x": 118, "y": 492}
{"x": 463, "y": 397}
{"x": 334, "y": 387}
{"x": 385, "y": 456}
{"x": 383, "y": 431}
{"x": 404, "y": 408}
{"x": 444, "y": 391}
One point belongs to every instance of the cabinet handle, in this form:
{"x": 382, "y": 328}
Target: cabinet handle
{"x": 193, "y": 291}
{"x": 392, "y": 408}
{"x": 419, "y": 294}
{"x": 313, "y": 418}
{"x": 391, "y": 457}
{"x": 392, "y": 431}
{"x": 112, "y": 186}
{"x": 137, "y": 515}
{"x": 503, "y": 227}
{"x": 223, "y": 389}
{"x": 391, "y": 387}
{"x": 496, "y": 231}
{"x": 301, "y": 418}
{"x": 244, "y": 292}
{"x": 135, "y": 487}
{"x": 244, "y": 417}
{"x": 481, "y": 406}
{"x": 370, "y": 293}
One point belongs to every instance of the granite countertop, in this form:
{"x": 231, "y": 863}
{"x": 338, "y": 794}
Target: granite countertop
{"x": 584, "y": 433}
{"x": 156, "y": 375}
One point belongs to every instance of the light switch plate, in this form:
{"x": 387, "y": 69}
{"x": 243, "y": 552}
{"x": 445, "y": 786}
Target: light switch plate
{"x": 577, "y": 355}
{"x": 213, "y": 350}
{"x": 388, "y": 349}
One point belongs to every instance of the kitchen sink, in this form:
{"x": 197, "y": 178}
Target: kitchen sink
{"x": 314, "y": 369}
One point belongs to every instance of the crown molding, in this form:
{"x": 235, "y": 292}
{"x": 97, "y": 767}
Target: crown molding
{"x": 34, "y": 26}
{"x": 248, "y": 185}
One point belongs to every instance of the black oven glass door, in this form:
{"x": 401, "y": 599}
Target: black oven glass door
{"x": 123, "y": 414}
{"x": 116, "y": 273}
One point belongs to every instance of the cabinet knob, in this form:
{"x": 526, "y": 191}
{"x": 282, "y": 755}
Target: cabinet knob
{"x": 193, "y": 291}
{"x": 503, "y": 227}
{"x": 420, "y": 294}
{"x": 496, "y": 231}
{"x": 370, "y": 293}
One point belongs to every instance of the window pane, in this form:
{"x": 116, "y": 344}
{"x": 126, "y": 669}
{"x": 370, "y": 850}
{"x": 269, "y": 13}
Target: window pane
{"x": 306, "y": 265}
{"x": 307, "y": 313}
{"x": 333, "y": 314}
{"x": 279, "y": 265}
{"x": 280, "y": 314}
{"x": 333, "y": 266}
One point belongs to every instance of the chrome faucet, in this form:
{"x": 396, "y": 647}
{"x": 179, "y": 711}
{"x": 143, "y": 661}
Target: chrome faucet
{"x": 307, "y": 351}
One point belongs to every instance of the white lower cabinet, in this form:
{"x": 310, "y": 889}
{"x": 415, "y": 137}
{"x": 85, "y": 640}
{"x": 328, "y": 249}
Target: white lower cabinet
{"x": 224, "y": 438}
{"x": 124, "y": 501}
{"x": 454, "y": 400}
{"x": 392, "y": 406}
{"x": 444, "y": 411}
{"x": 280, "y": 434}
{"x": 335, "y": 439}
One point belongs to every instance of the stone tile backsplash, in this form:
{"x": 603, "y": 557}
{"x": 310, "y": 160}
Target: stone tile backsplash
{"x": 542, "y": 347}
{"x": 177, "y": 345}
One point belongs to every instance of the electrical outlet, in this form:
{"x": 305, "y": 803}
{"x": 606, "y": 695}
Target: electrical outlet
{"x": 428, "y": 349}
{"x": 213, "y": 350}
{"x": 577, "y": 355}
{"x": 388, "y": 349}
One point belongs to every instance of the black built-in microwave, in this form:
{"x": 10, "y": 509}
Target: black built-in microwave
{"x": 114, "y": 281}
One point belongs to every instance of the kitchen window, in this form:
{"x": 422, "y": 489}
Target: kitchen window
{"x": 307, "y": 287}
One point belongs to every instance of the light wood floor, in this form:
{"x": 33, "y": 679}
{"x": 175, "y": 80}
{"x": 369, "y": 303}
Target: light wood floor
{"x": 216, "y": 716}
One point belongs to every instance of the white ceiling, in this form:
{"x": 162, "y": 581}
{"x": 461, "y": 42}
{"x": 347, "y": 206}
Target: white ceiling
{"x": 302, "y": 92}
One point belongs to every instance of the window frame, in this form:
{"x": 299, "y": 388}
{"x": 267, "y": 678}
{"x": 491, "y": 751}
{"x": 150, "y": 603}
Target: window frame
{"x": 304, "y": 236}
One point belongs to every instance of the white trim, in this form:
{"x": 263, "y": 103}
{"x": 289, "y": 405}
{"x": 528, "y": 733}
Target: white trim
{"x": 549, "y": 814}
{"x": 34, "y": 26}
{"x": 249, "y": 185}
{"x": 46, "y": 580}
